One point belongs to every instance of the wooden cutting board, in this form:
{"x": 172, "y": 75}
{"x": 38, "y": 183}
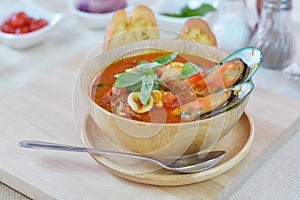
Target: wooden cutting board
{"x": 43, "y": 111}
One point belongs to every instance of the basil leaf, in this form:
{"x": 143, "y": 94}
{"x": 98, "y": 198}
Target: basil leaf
{"x": 142, "y": 62}
{"x": 165, "y": 58}
{"x": 144, "y": 66}
{"x": 189, "y": 69}
{"x": 147, "y": 86}
{"x": 136, "y": 87}
{"x": 156, "y": 85}
{"x": 128, "y": 78}
{"x": 171, "y": 15}
{"x": 119, "y": 75}
{"x": 99, "y": 85}
{"x": 188, "y": 12}
{"x": 200, "y": 11}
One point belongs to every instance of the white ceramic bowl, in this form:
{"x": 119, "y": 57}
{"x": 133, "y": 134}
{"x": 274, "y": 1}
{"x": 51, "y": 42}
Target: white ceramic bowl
{"x": 90, "y": 20}
{"x": 22, "y": 41}
{"x": 174, "y": 23}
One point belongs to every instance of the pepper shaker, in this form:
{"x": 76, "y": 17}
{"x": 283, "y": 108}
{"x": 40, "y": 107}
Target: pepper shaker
{"x": 273, "y": 35}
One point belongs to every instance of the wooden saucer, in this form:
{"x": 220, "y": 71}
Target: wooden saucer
{"x": 236, "y": 143}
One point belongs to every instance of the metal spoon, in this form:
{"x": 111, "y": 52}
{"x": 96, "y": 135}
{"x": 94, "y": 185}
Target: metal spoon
{"x": 185, "y": 164}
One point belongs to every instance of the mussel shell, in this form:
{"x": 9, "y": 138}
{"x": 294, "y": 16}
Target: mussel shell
{"x": 251, "y": 59}
{"x": 239, "y": 94}
{"x": 244, "y": 70}
{"x": 251, "y": 56}
{"x": 216, "y": 100}
{"x": 245, "y": 75}
{"x": 231, "y": 75}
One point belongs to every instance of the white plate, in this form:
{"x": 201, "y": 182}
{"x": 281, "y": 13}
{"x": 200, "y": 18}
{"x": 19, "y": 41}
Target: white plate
{"x": 27, "y": 40}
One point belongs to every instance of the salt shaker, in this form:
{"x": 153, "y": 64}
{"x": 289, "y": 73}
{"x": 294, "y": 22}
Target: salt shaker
{"x": 231, "y": 27}
{"x": 273, "y": 35}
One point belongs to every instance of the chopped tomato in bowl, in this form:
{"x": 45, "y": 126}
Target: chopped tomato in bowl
{"x": 20, "y": 23}
{"x": 26, "y": 24}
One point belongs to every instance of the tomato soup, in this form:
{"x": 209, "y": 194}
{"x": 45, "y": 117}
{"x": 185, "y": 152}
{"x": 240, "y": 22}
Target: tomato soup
{"x": 159, "y": 89}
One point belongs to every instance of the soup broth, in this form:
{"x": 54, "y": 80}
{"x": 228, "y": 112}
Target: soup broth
{"x": 171, "y": 93}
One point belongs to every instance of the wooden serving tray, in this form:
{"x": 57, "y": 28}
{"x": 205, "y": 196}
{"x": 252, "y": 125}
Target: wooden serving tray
{"x": 43, "y": 111}
{"x": 236, "y": 143}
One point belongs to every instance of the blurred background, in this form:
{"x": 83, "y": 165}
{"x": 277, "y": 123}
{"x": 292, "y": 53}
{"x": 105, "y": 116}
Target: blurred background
{"x": 233, "y": 27}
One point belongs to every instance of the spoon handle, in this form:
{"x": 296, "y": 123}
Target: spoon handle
{"x": 33, "y": 144}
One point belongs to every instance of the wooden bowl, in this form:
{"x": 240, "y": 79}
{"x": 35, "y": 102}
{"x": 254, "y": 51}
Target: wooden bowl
{"x": 153, "y": 138}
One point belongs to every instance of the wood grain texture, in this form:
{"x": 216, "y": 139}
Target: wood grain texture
{"x": 42, "y": 110}
{"x": 236, "y": 143}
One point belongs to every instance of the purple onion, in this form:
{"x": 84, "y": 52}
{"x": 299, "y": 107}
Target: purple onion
{"x": 101, "y": 6}
{"x": 83, "y": 5}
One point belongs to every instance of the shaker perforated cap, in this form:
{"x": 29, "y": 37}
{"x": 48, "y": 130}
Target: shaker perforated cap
{"x": 278, "y": 4}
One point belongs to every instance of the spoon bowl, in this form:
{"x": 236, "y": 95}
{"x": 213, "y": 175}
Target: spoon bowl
{"x": 185, "y": 164}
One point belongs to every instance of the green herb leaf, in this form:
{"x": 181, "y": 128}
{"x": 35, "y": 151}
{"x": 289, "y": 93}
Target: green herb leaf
{"x": 142, "y": 62}
{"x": 147, "y": 86}
{"x": 143, "y": 78}
{"x": 165, "y": 58}
{"x": 128, "y": 78}
{"x": 156, "y": 85}
{"x": 189, "y": 69}
{"x": 119, "y": 75}
{"x": 188, "y": 12}
{"x": 136, "y": 87}
{"x": 99, "y": 85}
{"x": 144, "y": 66}
{"x": 148, "y": 72}
{"x": 172, "y": 15}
